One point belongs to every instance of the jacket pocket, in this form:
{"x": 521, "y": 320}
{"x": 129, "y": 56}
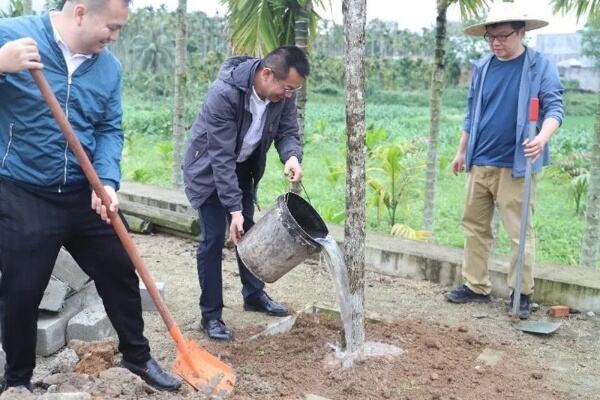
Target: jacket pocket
{"x": 9, "y": 144}
{"x": 193, "y": 154}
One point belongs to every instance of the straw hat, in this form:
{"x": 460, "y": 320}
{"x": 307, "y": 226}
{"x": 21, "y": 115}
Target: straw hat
{"x": 505, "y": 12}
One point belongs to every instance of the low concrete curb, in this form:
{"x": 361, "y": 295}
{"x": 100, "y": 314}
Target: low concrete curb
{"x": 554, "y": 284}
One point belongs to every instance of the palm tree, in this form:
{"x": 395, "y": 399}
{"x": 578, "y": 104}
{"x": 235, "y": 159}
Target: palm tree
{"x": 180, "y": 91}
{"x": 258, "y": 26}
{"x": 301, "y": 35}
{"x": 467, "y": 8}
{"x": 354, "y": 229}
{"x": 591, "y": 235}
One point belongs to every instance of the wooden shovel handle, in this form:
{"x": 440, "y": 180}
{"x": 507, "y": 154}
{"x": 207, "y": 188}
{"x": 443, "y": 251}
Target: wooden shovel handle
{"x": 98, "y": 187}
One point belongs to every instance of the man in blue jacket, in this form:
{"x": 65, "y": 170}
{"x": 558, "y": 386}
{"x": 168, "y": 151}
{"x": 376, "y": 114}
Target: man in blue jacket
{"x": 494, "y": 147}
{"x": 248, "y": 107}
{"x": 45, "y": 200}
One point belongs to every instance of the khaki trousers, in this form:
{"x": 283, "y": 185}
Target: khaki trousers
{"x": 486, "y": 187}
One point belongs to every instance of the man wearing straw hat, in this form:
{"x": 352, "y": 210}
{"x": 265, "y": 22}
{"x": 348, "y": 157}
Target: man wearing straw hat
{"x": 493, "y": 148}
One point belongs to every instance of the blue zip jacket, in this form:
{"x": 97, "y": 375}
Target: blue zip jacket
{"x": 539, "y": 79}
{"x": 32, "y": 148}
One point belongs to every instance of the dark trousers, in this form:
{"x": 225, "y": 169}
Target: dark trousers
{"x": 213, "y": 220}
{"x": 33, "y": 227}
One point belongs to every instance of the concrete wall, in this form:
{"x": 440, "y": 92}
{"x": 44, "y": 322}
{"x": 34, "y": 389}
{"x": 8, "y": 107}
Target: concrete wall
{"x": 576, "y": 287}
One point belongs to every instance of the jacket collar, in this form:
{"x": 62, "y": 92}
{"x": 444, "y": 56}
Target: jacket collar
{"x": 49, "y": 33}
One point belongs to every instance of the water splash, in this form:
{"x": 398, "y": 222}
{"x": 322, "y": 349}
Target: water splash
{"x": 339, "y": 273}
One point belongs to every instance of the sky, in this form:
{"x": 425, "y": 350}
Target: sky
{"x": 409, "y": 14}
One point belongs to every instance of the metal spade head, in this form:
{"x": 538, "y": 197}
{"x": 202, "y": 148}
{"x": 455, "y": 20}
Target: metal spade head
{"x": 537, "y": 327}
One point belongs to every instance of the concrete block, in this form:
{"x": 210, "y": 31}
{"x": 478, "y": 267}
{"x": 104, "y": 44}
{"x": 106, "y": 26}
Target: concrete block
{"x": 52, "y": 328}
{"x": 90, "y": 324}
{"x": 54, "y": 295}
{"x": 90, "y": 296}
{"x": 67, "y": 271}
{"x": 147, "y": 303}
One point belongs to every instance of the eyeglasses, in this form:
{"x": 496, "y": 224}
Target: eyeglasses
{"x": 501, "y": 38}
{"x": 288, "y": 90}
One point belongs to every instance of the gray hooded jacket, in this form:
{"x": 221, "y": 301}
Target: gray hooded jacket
{"x": 218, "y": 133}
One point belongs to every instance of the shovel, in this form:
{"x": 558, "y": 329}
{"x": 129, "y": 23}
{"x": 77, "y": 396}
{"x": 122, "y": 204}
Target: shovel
{"x": 195, "y": 365}
{"x": 540, "y": 327}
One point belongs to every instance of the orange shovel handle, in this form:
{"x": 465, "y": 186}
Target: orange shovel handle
{"x": 116, "y": 222}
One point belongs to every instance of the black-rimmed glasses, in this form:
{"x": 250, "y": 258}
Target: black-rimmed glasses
{"x": 501, "y": 38}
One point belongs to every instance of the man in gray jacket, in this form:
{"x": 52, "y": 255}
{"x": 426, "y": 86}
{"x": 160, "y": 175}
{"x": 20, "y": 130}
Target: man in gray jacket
{"x": 248, "y": 107}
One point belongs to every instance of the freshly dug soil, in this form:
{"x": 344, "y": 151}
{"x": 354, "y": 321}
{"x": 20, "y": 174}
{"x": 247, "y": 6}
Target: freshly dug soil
{"x": 442, "y": 341}
{"x": 439, "y": 362}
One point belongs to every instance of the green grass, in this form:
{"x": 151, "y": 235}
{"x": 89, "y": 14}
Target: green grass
{"x": 558, "y": 229}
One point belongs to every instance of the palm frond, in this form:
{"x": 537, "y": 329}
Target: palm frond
{"x": 582, "y": 8}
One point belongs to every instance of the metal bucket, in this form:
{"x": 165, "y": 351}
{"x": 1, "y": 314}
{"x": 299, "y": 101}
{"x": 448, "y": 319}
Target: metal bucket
{"x": 282, "y": 238}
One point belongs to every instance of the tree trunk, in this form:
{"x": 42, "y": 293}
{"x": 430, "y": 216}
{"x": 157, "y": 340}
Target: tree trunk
{"x": 354, "y": 12}
{"x": 591, "y": 235}
{"x": 180, "y": 92}
{"x": 435, "y": 108}
{"x": 301, "y": 37}
{"x": 27, "y": 7}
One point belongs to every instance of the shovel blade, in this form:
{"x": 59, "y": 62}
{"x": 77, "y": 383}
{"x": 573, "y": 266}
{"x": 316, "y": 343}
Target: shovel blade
{"x": 539, "y": 327}
{"x": 205, "y": 372}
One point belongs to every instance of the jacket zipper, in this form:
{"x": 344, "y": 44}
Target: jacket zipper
{"x": 69, "y": 82}
{"x": 10, "y": 136}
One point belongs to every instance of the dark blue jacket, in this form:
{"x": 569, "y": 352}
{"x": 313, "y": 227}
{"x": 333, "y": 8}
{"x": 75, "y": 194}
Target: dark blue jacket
{"x": 219, "y": 130}
{"x": 32, "y": 147}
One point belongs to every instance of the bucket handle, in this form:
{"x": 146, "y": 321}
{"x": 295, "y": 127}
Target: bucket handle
{"x": 304, "y": 189}
{"x": 305, "y": 192}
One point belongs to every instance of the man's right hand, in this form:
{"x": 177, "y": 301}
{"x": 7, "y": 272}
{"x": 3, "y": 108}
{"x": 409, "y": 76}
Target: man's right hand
{"x": 236, "y": 228}
{"x": 458, "y": 164}
{"x": 19, "y": 55}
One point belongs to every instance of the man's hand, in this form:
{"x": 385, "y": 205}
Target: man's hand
{"x": 292, "y": 169}
{"x": 535, "y": 148}
{"x": 236, "y": 228}
{"x": 458, "y": 164}
{"x": 19, "y": 55}
{"x": 101, "y": 208}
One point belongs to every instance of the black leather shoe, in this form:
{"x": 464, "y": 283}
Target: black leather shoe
{"x": 25, "y": 386}
{"x": 263, "y": 303}
{"x": 153, "y": 374}
{"x": 216, "y": 329}
{"x": 524, "y": 306}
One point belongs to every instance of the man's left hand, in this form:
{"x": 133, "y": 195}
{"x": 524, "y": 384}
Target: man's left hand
{"x": 292, "y": 169}
{"x": 101, "y": 208}
{"x": 534, "y": 148}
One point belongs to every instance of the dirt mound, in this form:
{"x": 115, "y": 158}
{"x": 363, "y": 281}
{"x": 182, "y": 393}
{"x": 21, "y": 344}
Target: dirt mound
{"x": 94, "y": 357}
{"x": 439, "y": 363}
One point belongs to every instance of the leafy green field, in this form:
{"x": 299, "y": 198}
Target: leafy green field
{"x": 403, "y": 118}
